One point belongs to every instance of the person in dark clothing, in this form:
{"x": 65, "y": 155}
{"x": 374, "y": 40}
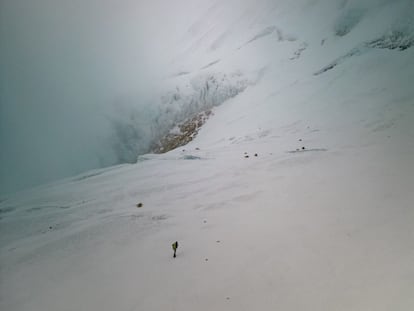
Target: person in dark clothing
{"x": 174, "y": 247}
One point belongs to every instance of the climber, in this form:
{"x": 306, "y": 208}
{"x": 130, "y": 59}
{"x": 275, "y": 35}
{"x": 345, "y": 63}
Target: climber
{"x": 174, "y": 247}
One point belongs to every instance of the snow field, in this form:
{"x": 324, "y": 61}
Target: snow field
{"x": 327, "y": 227}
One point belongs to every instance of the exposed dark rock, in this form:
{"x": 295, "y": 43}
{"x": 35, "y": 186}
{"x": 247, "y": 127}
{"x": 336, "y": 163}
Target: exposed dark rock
{"x": 395, "y": 40}
{"x": 299, "y": 51}
{"x": 188, "y": 130}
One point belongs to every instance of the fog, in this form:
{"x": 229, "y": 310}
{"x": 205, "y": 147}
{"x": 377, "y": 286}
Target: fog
{"x": 68, "y": 69}
{"x": 86, "y": 84}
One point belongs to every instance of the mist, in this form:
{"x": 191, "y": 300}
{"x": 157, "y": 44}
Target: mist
{"x": 93, "y": 83}
{"x": 68, "y": 70}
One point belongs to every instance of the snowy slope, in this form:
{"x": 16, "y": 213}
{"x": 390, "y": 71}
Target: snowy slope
{"x": 327, "y": 227}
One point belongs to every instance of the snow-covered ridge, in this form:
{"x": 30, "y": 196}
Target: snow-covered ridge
{"x": 199, "y": 82}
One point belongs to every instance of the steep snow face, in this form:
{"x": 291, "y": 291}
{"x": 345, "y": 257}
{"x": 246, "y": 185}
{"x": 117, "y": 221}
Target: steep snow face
{"x": 134, "y": 135}
{"x": 296, "y": 194}
{"x": 233, "y": 45}
{"x": 118, "y": 108}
